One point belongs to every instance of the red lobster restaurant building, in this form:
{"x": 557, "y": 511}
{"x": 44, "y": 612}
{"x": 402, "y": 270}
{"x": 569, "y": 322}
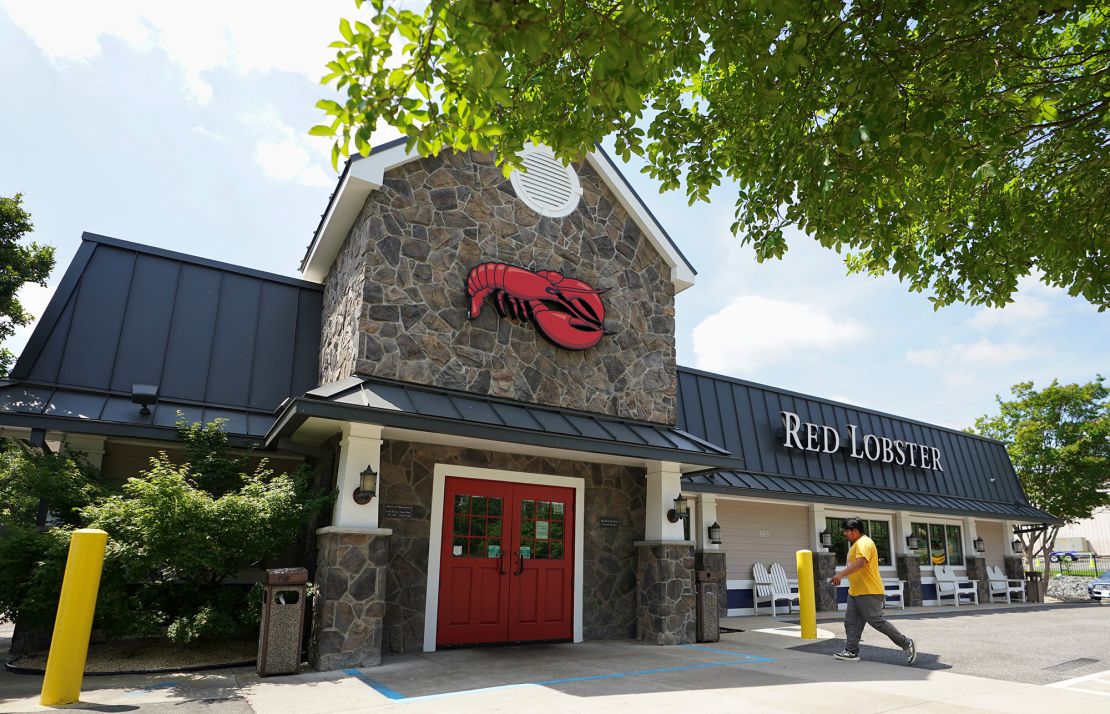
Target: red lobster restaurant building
{"x": 484, "y": 369}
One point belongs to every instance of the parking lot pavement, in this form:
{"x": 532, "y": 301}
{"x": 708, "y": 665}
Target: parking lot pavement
{"x": 1032, "y": 645}
{"x": 760, "y": 670}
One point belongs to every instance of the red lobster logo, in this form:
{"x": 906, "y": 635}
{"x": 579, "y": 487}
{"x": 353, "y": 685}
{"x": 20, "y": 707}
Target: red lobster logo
{"x": 567, "y": 312}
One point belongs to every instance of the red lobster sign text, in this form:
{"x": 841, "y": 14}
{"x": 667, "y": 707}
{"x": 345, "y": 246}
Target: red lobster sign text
{"x": 567, "y": 312}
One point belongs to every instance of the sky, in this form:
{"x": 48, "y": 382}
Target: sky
{"x": 184, "y": 126}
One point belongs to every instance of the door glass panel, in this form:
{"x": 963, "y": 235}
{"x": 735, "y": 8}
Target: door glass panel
{"x": 542, "y": 529}
{"x": 474, "y": 533}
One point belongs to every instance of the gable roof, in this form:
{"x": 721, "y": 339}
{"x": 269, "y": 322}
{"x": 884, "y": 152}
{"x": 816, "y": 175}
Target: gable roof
{"x": 217, "y": 339}
{"x": 744, "y": 417}
{"x": 365, "y": 174}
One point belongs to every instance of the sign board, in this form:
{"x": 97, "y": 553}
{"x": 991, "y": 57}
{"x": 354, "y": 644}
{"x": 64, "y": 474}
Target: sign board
{"x": 609, "y": 522}
{"x": 807, "y": 436}
{"x": 543, "y": 529}
{"x": 396, "y": 510}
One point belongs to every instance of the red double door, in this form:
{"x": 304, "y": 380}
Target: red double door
{"x": 507, "y": 563}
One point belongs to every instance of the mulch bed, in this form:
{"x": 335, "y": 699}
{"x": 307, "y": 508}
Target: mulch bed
{"x": 152, "y": 655}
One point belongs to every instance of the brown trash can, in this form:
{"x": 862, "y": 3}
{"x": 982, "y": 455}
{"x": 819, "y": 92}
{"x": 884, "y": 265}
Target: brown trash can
{"x": 708, "y": 595}
{"x": 283, "y": 605}
{"x": 1033, "y": 586}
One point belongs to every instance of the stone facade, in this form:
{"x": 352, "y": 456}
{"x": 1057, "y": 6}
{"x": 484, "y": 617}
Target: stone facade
{"x": 977, "y": 570}
{"x": 824, "y": 567}
{"x": 665, "y": 602}
{"x": 609, "y": 585}
{"x": 351, "y": 602}
{"x": 909, "y": 569}
{"x": 395, "y": 302}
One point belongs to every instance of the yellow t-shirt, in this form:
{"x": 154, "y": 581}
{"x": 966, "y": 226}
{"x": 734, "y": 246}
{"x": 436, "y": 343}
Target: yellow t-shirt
{"x": 867, "y": 580}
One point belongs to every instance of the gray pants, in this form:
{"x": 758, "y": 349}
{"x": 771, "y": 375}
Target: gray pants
{"x": 868, "y": 610}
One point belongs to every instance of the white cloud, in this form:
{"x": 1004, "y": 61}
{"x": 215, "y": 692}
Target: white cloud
{"x": 285, "y": 154}
{"x": 1025, "y": 312}
{"x": 198, "y": 36}
{"x": 970, "y": 362}
{"x": 753, "y": 331}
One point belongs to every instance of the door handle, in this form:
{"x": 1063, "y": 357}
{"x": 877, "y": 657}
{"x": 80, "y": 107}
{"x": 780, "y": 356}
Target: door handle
{"x": 520, "y": 564}
{"x": 501, "y": 563}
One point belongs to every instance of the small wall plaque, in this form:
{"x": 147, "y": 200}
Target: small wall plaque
{"x": 396, "y": 510}
{"x": 610, "y": 522}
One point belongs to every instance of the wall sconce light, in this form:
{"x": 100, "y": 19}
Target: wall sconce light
{"x": 367, "y": 482}
{"x": 826, "y": 539}
{"x": 715, "y": 533}
{"x": 1017, "y": 546}
{"x": 144, "y": 395}
{"x": 913, "y": 542}
{"x": 979, "y": 545}
{"x": 679, "y": 511}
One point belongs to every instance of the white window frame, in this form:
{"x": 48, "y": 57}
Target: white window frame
{"x": 867, "y": 516}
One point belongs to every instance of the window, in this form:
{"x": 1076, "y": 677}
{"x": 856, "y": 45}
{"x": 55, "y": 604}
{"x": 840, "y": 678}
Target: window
{"x": 878, "y": 530}
{"x": 940, "y": 544}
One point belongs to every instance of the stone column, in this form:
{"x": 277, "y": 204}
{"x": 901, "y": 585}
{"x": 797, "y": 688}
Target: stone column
{"x": 1014, "y": 566}
{"x": 714, "y": 562}
{"x": 665, "y": 596}
{"x": 824, "y": 567}
{"x": 350, "y": 599}
{"x": 977, "y": 570}
{"x": 910, "y": 571}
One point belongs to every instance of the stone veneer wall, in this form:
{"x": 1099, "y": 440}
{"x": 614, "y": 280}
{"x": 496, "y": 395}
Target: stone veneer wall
{"x": 909, "y": 569}
{"x": 666, "y": 612}
{"x": 395, "y": 302}
{"x": 824, "y": 567}
{"x": 977, "y": 570}
{"x": 609, "y": 586}
{"x": 350, "y": 604}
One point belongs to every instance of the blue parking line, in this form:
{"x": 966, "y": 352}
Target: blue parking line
{"x": 398, "y": 697}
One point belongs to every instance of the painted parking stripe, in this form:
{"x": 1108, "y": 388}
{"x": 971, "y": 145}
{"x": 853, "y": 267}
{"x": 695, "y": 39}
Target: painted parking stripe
{"x": 393, "y": 694}
{"x": 1073, "y": 684}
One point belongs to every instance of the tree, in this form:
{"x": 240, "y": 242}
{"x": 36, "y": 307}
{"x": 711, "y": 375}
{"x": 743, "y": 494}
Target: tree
{"x": 957, "y": 145}
{"x": 1058, "y": 439}
{"x": 18, "y": 265}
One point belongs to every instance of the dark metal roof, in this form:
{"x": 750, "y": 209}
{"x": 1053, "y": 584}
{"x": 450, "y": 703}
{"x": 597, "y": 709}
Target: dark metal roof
{"x": 217, "y": 339}
{"x": 799, "y": 489}
{"x": 423, "y": 408}
{"x": 744, "y": 418}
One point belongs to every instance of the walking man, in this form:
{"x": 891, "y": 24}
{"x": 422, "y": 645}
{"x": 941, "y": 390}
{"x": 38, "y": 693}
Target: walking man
{"x": 865, "y": 595}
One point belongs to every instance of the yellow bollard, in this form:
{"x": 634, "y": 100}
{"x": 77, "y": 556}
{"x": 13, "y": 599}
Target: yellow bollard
{"x": 807, "y": 604}
{"x": 65, "y": 666}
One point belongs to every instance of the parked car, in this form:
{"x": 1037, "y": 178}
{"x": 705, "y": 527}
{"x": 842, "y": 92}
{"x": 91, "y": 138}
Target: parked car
{"x": 1099, "y": 587}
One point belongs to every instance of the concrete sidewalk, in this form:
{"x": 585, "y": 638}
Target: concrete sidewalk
{"x": 752, "y": 671}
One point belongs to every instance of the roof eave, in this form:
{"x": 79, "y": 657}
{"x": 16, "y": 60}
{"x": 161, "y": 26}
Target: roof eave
{"x": 298, "y": 410}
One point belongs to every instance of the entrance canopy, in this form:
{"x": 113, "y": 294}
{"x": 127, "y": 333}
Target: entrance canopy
{"x": 431, "y": 409}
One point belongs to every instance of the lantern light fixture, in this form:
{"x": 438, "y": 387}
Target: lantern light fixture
{"x": 913, "y": 542}
{"x": 826, "y": 539}
{"x": 679, "y": 511}
{"x": 367, "y": 483}
{"x": 980, "y": 547}
{"x": 715, "y": 533}
{"x": 1017, "y": 545}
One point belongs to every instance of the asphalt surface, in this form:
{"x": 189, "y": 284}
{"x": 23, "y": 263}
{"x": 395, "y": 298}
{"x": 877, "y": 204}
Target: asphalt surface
{"x": 1036, "y": 645}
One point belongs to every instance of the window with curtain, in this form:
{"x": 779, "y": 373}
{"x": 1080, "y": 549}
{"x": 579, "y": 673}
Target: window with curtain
{"x": 879, "y": 531}
{"x": 940, "y": 544}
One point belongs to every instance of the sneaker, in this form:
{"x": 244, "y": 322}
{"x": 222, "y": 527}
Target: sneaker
{"x": 911, "y": 652}
{"x": 847, "y": 656}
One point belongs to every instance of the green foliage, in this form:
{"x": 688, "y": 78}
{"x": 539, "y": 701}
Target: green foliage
{"x": 1058, "y": 439}
{"x": 172, "y": 544}
{"x": 64, "y": 483}
{"x": 959, "y": 146}
{"x": 18, "y": 265}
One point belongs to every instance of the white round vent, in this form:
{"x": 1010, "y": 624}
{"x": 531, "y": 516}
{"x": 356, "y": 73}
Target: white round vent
{"x": 548, "y": 187}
